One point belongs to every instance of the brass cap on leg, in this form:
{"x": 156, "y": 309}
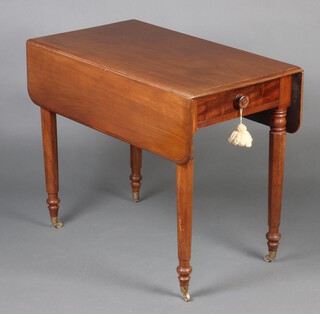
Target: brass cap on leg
{"x": 136, "y": 196}
{"x": 56, "y": 223}
{"x": 186, "y": 295}
{"x": 270, "y": 257}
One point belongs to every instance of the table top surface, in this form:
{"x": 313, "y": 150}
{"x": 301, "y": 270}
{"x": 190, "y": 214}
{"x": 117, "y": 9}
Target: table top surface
{"x": 170, "y": 60}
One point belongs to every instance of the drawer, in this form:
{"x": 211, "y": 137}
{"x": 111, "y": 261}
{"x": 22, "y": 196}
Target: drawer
{"x": 220, "y": 107}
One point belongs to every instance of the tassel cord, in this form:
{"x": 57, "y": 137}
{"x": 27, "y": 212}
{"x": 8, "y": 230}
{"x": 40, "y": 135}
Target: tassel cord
{"x": 241, "y": 136}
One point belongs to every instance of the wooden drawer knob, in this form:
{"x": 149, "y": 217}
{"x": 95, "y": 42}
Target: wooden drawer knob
{"x": 241, "y": 101}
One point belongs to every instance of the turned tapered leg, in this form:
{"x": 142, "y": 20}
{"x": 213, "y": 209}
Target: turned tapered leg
{"x": 135, "y": 177}
{"x": 50, "y": 151}
{"x": 184, "y": 224}
{"x": 276, "y": 167}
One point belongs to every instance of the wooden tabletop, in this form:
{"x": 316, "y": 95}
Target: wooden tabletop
{"x": 185, "y": 65}
{"x": 153, "y": 87}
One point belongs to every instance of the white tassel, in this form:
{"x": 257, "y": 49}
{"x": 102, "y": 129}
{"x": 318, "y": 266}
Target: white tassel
{"x": 241, "y": 136}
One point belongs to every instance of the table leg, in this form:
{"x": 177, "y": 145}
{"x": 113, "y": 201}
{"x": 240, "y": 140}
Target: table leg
{"x": 184, "y": 224}
{"x": 276, "y": 167}
{"x": 50, "y": 151}
{"x": 135, "y": 177}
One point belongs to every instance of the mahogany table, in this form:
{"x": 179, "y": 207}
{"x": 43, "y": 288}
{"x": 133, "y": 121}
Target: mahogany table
{"x": 154, "y": 88}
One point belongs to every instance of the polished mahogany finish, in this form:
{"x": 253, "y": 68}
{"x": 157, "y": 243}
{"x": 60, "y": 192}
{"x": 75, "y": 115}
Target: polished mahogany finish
{"x": 220, "y": 107}
{"x": 135, "y": 177}
{"x": 184, "y": 220}
{"x": 154, "y": 88}
{"x": 276, "y": 165}
{"x": 50, "y": 152}
{"x": 132, "y": 70}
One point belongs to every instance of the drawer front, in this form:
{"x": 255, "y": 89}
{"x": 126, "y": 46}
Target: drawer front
{"x": 220, "y": 107}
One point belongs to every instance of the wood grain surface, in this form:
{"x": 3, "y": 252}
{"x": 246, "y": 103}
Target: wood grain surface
{"x": 143, "y": 84}
{"x": 169, "y": 60}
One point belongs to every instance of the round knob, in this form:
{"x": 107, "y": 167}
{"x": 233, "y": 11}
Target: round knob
{"x": 241, "y": 101}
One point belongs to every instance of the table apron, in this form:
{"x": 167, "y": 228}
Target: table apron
{"x": 221, "y": 107}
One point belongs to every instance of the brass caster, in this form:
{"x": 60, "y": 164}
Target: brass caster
{"x": 186, "y": 295}
{"x": 136, "y": 196}
{"x": 56, "y": 223}
{"x": 270, "y": 257}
